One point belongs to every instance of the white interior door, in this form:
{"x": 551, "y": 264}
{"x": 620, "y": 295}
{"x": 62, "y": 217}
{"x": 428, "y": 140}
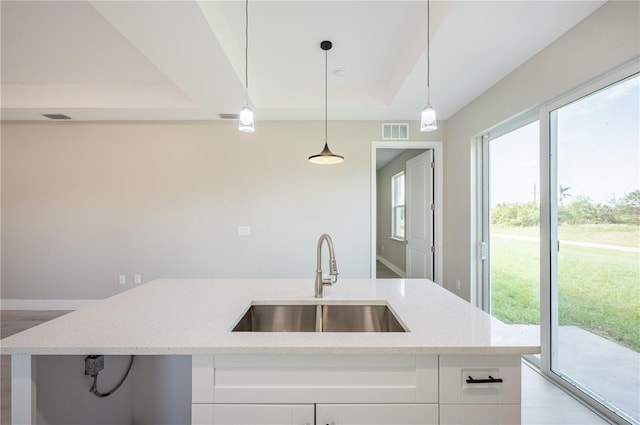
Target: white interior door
{"x": 419, "y": 216}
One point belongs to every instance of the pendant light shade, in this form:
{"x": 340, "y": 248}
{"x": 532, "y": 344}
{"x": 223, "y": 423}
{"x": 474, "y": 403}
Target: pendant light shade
{"x": 428, "y": 120}
{"x": 246, "y": 119}
{"x": 326, "y": 157}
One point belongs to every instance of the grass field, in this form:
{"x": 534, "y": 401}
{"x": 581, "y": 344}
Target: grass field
{"x": 598, "y": 289}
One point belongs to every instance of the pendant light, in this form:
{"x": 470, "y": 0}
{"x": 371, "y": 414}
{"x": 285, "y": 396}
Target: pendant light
{"x": 428, "y": 117}
{"x": 246, "y": 122}
{"x": 326, "y": 157}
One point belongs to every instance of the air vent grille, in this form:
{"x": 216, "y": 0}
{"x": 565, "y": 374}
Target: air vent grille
{"x": 395, "y": 131}
{"x": 229, "y": 116}
{"x": 56, "y": 116}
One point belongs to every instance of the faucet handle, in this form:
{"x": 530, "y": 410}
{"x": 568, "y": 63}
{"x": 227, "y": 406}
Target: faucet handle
{"x": 333, "y": 267}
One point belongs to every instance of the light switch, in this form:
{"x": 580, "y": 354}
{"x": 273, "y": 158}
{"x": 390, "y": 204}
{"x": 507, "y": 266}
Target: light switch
{"x": 244, "y": 231}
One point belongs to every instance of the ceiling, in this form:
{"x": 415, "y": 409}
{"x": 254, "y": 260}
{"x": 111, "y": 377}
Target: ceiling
{"x": 185, "y": 60}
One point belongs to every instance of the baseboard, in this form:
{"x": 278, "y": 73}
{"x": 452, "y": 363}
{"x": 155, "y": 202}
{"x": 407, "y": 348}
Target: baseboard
{"x": 392, "y": 266}
{"x": 45, "y": 304}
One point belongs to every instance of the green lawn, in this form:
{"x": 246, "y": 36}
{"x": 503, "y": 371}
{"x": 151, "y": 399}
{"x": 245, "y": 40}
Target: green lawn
{"x": 598, "y": 290}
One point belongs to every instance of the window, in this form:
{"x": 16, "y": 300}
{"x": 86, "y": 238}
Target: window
{"x": 397, "y": 206}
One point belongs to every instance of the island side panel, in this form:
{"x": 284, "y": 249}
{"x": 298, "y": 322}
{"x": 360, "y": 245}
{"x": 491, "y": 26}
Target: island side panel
{"x": 23, "y": 389}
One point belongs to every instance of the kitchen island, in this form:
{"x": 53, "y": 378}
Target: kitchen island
{"x": 341, "y": 372}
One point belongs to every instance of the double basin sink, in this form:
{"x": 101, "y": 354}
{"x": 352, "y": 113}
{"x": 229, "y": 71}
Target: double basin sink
{"x": 325, "y": 317}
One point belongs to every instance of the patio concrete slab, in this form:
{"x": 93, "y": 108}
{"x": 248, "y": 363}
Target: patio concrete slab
{"x": 602, "y": 366}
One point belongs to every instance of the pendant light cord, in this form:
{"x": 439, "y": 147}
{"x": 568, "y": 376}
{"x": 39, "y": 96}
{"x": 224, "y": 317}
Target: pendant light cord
{"x": 428, "y": 45}
{"x": 325, "y": 95}
{"x": 246, "y": 47}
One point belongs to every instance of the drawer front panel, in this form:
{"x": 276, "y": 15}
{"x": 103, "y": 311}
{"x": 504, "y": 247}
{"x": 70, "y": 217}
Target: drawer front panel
{"x": 274, "y": 414}
{"x": 377, "y": 414}
{"x": 325, "y": 379}
{"x": 472, "y": 379}
{"x": 480, "y": 414}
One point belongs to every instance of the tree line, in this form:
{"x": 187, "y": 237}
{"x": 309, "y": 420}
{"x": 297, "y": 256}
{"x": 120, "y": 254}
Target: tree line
{"x": 581, "y": 210}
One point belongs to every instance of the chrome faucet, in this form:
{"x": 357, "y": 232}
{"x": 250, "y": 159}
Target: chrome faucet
{"x": 333, "y": 267}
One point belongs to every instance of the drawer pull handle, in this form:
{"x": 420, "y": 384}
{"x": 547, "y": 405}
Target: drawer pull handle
{"x": 483, "y": 381}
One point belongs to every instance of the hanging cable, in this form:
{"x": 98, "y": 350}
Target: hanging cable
{"x": 94, "y": 385}
{"x": 246, "y": 47}
{"x": 428, "y": 41}
{"x": 326, "y": 97}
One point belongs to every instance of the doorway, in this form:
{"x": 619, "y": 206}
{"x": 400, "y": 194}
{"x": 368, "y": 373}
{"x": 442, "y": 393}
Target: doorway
{"x": 428, "y": 219}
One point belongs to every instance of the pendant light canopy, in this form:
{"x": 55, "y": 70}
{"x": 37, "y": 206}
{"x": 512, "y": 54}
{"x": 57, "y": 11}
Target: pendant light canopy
{"x": 428, "y": 120}
{"x": 326, "y": 157}
{"x": 246, "y": 121}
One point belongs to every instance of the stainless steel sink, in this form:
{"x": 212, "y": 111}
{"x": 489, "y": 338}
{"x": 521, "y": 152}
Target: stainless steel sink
{"x": 319, "y": 318}
{"x": 359, "y": 318}
{"x": 278, "y": 318}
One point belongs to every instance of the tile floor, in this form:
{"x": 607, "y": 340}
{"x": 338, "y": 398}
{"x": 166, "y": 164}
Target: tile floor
{"x": 542, "y": 402}
{"x": 384, "y": 272}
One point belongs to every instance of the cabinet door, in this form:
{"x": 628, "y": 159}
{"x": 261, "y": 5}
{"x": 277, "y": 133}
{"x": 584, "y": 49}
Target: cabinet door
{"x": 377, "y": 414}
{"x": 252, "y": 414}
{"x": 479, "y": 414}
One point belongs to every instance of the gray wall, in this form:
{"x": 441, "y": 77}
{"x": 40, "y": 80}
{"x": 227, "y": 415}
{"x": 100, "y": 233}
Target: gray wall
{"x": 85, "y": 202}
{"x": 390, "y": 249}
{"x": 63, "y": 395}
{"x": 157, "y": 391}
{"x": 604, "y": 40}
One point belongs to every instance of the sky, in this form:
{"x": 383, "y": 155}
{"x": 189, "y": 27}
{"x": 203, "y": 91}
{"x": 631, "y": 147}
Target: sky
{"x": 598, "y": 149}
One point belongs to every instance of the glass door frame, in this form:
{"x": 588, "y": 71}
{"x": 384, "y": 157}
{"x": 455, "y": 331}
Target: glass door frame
{"x": 480, "y": 291}
{"x": 549, "y": 231}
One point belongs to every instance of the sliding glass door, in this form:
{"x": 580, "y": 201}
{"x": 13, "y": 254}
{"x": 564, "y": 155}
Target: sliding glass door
{"x": 512, "y": 228}
{"x": 559, "y": 239}
{"x": 595, "y": 228}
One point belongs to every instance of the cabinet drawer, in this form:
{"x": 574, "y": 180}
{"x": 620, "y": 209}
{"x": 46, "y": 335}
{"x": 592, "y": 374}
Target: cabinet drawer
{"x": 473, "y": 379}
{"x": 479, "y": 414}
{"x": 316, "y": 379}
{"x": 377, "y": 414}
{"x": 252, "y": 414}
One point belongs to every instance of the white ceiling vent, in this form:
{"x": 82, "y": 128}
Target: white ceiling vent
{"x": 395, "y": 131}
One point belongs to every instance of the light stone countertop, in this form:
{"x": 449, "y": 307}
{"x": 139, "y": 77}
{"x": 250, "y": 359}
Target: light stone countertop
{"x": 194, "y": 316}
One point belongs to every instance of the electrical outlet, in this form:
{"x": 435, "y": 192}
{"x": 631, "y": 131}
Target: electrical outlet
{"x": 93, "y": 364}
{"x": 122, "y": 279}
{"x": 458, "y": 284}
{"x": 137, "y": 279}
{"x": 244, "y": 231}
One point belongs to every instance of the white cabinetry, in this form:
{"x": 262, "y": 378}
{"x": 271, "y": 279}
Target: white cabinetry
{"x": 252, "y": 414}
{"x": 355, "y": 389}
{"x": 479, "y": 414}
{"x": 376, "y": 414}
{"x": 480, "y": 390}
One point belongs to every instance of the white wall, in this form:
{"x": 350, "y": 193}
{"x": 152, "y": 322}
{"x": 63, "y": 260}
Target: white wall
{"x": 603, "y": 41}
{"x": 85, "y": 202}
